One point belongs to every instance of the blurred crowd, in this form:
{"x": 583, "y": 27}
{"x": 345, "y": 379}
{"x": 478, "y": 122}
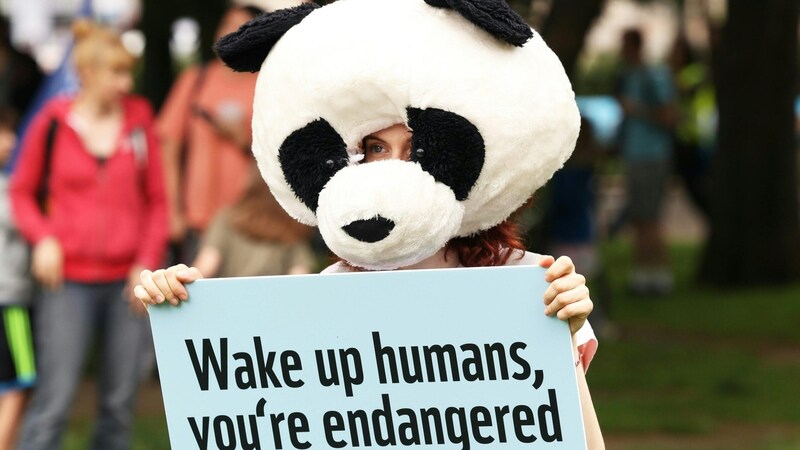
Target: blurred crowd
{"x": 104, "y": 188}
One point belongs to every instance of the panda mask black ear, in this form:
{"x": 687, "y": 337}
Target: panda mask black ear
{"x": 245, "y": 49}
{"x": 493, "y": 16}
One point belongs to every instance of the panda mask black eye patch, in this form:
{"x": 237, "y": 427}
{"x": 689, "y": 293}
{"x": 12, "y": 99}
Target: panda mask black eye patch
{"x": 447, "y": 146}
{"x": 310, "y": 157}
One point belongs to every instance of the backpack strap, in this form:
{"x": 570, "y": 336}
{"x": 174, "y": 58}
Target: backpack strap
{"x": 44, "y": 183}
{"x": 138, "y": 142}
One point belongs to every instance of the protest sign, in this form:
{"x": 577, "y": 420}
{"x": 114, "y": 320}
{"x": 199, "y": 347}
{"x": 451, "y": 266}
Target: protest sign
{"x": 450, "y": 358}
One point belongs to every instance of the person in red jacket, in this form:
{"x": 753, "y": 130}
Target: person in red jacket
{"x": 88, "y": 194}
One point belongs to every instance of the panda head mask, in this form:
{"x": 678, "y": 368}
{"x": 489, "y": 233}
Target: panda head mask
{"x": 491, "y": 110}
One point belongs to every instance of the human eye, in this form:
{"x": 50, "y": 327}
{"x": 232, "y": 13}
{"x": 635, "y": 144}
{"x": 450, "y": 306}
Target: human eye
{"x": 376, "y": 148}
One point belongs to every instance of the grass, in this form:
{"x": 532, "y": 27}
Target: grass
{"x": 149, "y": 433}
{"x": 700, "y": 363}
{"x": 701, "y": 368}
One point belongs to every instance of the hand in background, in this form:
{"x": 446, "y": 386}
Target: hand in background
{"x": 47, "y": 263}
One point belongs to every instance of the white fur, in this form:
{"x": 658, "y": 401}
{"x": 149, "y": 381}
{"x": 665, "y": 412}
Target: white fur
{"x": 360, "y": 63}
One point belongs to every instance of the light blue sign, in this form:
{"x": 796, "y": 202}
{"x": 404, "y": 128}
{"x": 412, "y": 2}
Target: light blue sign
{"x": 451, "y": 358}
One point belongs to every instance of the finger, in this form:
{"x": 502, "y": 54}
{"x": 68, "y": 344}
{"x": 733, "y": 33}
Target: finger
{"x": 562, "y": 266}
{"x": 151, "y": 287}
{"x": 563, "y": 284}
{"x": 546, "y": 261}
{"x": 189, "y": 275}
{"x": 576, "y": 314}
{"x": 160, "y": 279}
{"x": 576, "y": 322}
{"x": 175, "y": 285}
{"x": 142, "y": 295}
{"x": 567, "y": 298}
{"x": 579, "y": 310}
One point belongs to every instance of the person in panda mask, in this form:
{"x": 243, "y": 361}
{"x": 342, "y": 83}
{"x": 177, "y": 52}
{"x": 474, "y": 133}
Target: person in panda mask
{"x": 409, "y": 131}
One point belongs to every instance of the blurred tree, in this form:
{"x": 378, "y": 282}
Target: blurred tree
{"x": 157, "y": 18}
{"x": 157, "y": 74}
{"x": 566, "y": 27}
{"x": 755, "y": 230}
{"x": 208, "y": 13}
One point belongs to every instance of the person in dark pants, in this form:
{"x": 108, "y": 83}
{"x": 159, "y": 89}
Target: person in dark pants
{"x": 102, "y": 220}
{"x": 646, "y": 95}
{"x": 17, "y": 366}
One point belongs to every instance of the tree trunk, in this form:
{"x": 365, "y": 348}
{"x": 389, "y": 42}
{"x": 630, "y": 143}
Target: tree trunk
{"x": 157, "y": 19}
{"x": 755, "y": 229}
{"x": 566, "y": 27}
{"x": 157, "y": 74}
{"x": 208, "y": 13}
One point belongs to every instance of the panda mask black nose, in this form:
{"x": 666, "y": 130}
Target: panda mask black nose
{"x": 491, "y": 111}
{"x": 369, "y": 230}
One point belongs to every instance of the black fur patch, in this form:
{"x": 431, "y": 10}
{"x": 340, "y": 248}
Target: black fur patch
{"x": 310, "y": 157}
{"x": 493, "y": 16}
{"x": 246, "y": 49}
{"x": 369, "y": 230}
{"x": 447, "y": 146}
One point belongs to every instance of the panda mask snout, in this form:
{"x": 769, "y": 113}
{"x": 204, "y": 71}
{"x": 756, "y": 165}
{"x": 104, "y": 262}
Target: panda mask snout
{"x": 387, "y": 214}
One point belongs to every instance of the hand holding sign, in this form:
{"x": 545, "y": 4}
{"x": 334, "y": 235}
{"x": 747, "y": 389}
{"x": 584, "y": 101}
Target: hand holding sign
{"x": 567, "y": 296}
{"x": 166, "y": 284}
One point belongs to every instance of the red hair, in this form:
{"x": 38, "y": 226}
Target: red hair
{"x": 490, "y": 247}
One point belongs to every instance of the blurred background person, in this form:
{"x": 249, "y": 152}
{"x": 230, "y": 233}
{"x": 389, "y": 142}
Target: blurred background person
{"x": 88, "y": 194}
{"x": 255, "y": 237}
{"x": 646, "y": 95}
{"x": 17, "y": 365}
{"x": 570, "y": 221}
{"x": 205, "y": 133}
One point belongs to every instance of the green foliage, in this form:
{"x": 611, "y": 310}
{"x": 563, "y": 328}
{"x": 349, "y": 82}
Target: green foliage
{"x": 598, "y": 76}
{"x": 692, "y": 365}
{"x": 149, "y": 433}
